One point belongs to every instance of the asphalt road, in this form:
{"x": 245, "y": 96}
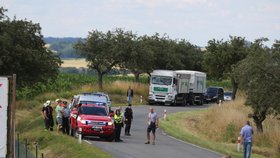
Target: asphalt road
{"x": 166, "y": 146}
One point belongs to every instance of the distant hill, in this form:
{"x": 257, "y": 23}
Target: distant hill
{"x": 63, "y": 46}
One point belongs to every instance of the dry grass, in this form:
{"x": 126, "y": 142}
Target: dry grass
{"x": 77, "y": 63}
{"x": 223, "y": 124}
{"x": 117, "y": 91}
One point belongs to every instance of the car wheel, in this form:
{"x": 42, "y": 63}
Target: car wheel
{"x": 110, "y": 138}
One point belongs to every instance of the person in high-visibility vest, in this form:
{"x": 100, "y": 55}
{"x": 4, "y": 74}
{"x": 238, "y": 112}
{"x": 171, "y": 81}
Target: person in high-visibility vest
{"x": 118, "y": 120}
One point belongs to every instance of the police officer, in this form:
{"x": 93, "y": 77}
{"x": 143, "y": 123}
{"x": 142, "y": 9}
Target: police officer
{"x": 128, "y": 114}
{"x": 118, "y": 119}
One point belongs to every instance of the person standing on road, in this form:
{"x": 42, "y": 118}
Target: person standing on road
{"x": 48, "y": 116}
{"x": 247, "y": 139}
{"x": 128, "y": 114}
{"x": 65, "y": 118}
{"x": 129, "y": 95}
{"x": 118, "y": 120}
{"x": 59, "y": 114}
{"x": 152, "y": 121}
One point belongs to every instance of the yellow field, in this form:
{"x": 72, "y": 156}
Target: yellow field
{"x": 77, "y": 63}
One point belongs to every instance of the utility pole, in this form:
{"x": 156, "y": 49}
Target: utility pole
{"x": 13, "y": 112}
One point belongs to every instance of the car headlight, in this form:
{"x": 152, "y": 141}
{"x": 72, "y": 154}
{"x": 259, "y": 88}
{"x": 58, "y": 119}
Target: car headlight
{"x": 83, "y": 121}
{"x": 169, "y": 96}
{"x": 110, "y": 123}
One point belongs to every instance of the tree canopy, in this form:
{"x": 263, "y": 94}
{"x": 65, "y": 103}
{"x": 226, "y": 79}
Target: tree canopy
{"x": 23, "y": 52}
{"x": 106, "y": 50}
{"x": 222, "y": 56}
{"x": 258, "y": 75}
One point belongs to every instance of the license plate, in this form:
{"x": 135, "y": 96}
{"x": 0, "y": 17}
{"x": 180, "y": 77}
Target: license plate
{"x": 97, "y": 128}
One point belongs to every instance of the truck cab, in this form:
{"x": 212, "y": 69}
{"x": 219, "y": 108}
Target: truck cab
{"x": 162, "y": 87}
{"x": 180, "y": 87}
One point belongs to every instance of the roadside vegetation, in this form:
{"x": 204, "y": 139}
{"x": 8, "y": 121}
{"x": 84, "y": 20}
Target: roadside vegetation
{"x": 218, "y": 127}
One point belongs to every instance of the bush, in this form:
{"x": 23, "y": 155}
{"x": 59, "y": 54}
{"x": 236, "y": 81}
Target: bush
{"x": 231, "y": 131}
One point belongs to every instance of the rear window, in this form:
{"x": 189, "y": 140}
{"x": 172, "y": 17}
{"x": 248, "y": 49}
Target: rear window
{"x": 93, "y": 102}
{"x": 228, "y": 93}
{"x": 212, "y": 90}
{"x": 88, "y": 110}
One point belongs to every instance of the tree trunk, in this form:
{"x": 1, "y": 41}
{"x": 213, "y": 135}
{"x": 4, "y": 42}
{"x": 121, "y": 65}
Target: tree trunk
{"x": 259, "y": 117}
{"x": 234, "y": 88}
{"x": 100, "y": 81}
{"x": 259, "y": 126}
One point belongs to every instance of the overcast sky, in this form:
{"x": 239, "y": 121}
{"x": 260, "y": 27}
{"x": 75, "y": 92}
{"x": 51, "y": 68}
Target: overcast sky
{"x": 198, "y": 21}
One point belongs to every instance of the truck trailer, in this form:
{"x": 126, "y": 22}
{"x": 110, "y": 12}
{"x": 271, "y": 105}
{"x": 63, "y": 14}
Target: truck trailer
{"x": 179, "y": 87}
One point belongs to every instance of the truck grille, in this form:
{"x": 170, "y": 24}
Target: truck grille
{"x": 160, "y": 97}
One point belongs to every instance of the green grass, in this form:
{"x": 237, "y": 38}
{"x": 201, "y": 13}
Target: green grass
{"x": 174, "y": 126}
{"x": 53, "y": 144}
{"x": 226, "y": 84}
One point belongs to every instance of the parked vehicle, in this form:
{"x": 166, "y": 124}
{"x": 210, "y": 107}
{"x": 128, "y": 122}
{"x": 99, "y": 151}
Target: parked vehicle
{"x": 177, "y": 87}
{"x": 109, "y": 101}
{"x": 93, "y": 120}
{"x": 228, "y": 96}
{"x": 90, "y": 98}
{"x": 214, "y": 94}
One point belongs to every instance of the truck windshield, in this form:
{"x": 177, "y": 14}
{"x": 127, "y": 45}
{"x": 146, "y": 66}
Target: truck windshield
{"x": 87, "y": 110}
{"x": 161, "y": 80}
{"x": 212, "y": 90}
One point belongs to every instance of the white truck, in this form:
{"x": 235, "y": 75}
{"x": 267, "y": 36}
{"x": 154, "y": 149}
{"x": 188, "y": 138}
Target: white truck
{"x": 180, "y": 87}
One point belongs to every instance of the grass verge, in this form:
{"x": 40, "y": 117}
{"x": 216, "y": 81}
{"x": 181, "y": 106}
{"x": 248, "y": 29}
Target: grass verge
{"x": 57, "y": 145}
{"x": 183, "y": 126}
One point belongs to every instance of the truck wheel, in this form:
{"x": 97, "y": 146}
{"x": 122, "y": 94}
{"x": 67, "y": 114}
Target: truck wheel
{"x": 151, "y": 103}
{"x": 185, "y": 102}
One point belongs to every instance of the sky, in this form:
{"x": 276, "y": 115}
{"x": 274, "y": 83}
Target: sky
{"x": 197, "y": 21}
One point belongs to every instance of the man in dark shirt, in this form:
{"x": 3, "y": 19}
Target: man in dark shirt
{"x": 47, "y": 111}
{"x": 128, "y": 114}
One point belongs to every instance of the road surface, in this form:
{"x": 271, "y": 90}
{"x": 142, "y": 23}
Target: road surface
{"x": 166, "y": 146}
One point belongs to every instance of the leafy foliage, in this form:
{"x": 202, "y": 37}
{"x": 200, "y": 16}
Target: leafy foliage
{"x": 106, "y": 50}
{"x": 23, "y": 53}
{"x": 258, "y": 75}
{"x": 221, "y": 57}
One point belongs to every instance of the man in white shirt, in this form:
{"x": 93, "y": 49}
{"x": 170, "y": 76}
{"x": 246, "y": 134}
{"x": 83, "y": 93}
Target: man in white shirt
{"x": 152, "y": 121}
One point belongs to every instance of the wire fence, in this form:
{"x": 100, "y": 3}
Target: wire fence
{"x": 22, "y": 149}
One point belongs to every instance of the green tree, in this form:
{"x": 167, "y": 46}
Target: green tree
{"x": 106, "y": 50}
{"x": 222, "y": 56}
{"x": 23, "y": 52}
{"x": 140, "y": 59}
{"x": 258, "y": 75}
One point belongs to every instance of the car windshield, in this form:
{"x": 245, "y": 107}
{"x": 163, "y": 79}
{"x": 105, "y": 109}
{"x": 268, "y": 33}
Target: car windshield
{"x": 227, "y": 93}
{"x": 161, "y": 80}
{"x": 88, "y": 110}
{"x": 93, "y": 102}
{"x": 212, "y": 90}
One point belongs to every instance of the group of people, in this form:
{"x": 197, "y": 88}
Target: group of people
{"x": 62, "y": 116}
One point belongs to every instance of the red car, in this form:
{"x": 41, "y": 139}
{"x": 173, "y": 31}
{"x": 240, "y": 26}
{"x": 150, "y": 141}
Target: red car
{"x": 93, "y": 120}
